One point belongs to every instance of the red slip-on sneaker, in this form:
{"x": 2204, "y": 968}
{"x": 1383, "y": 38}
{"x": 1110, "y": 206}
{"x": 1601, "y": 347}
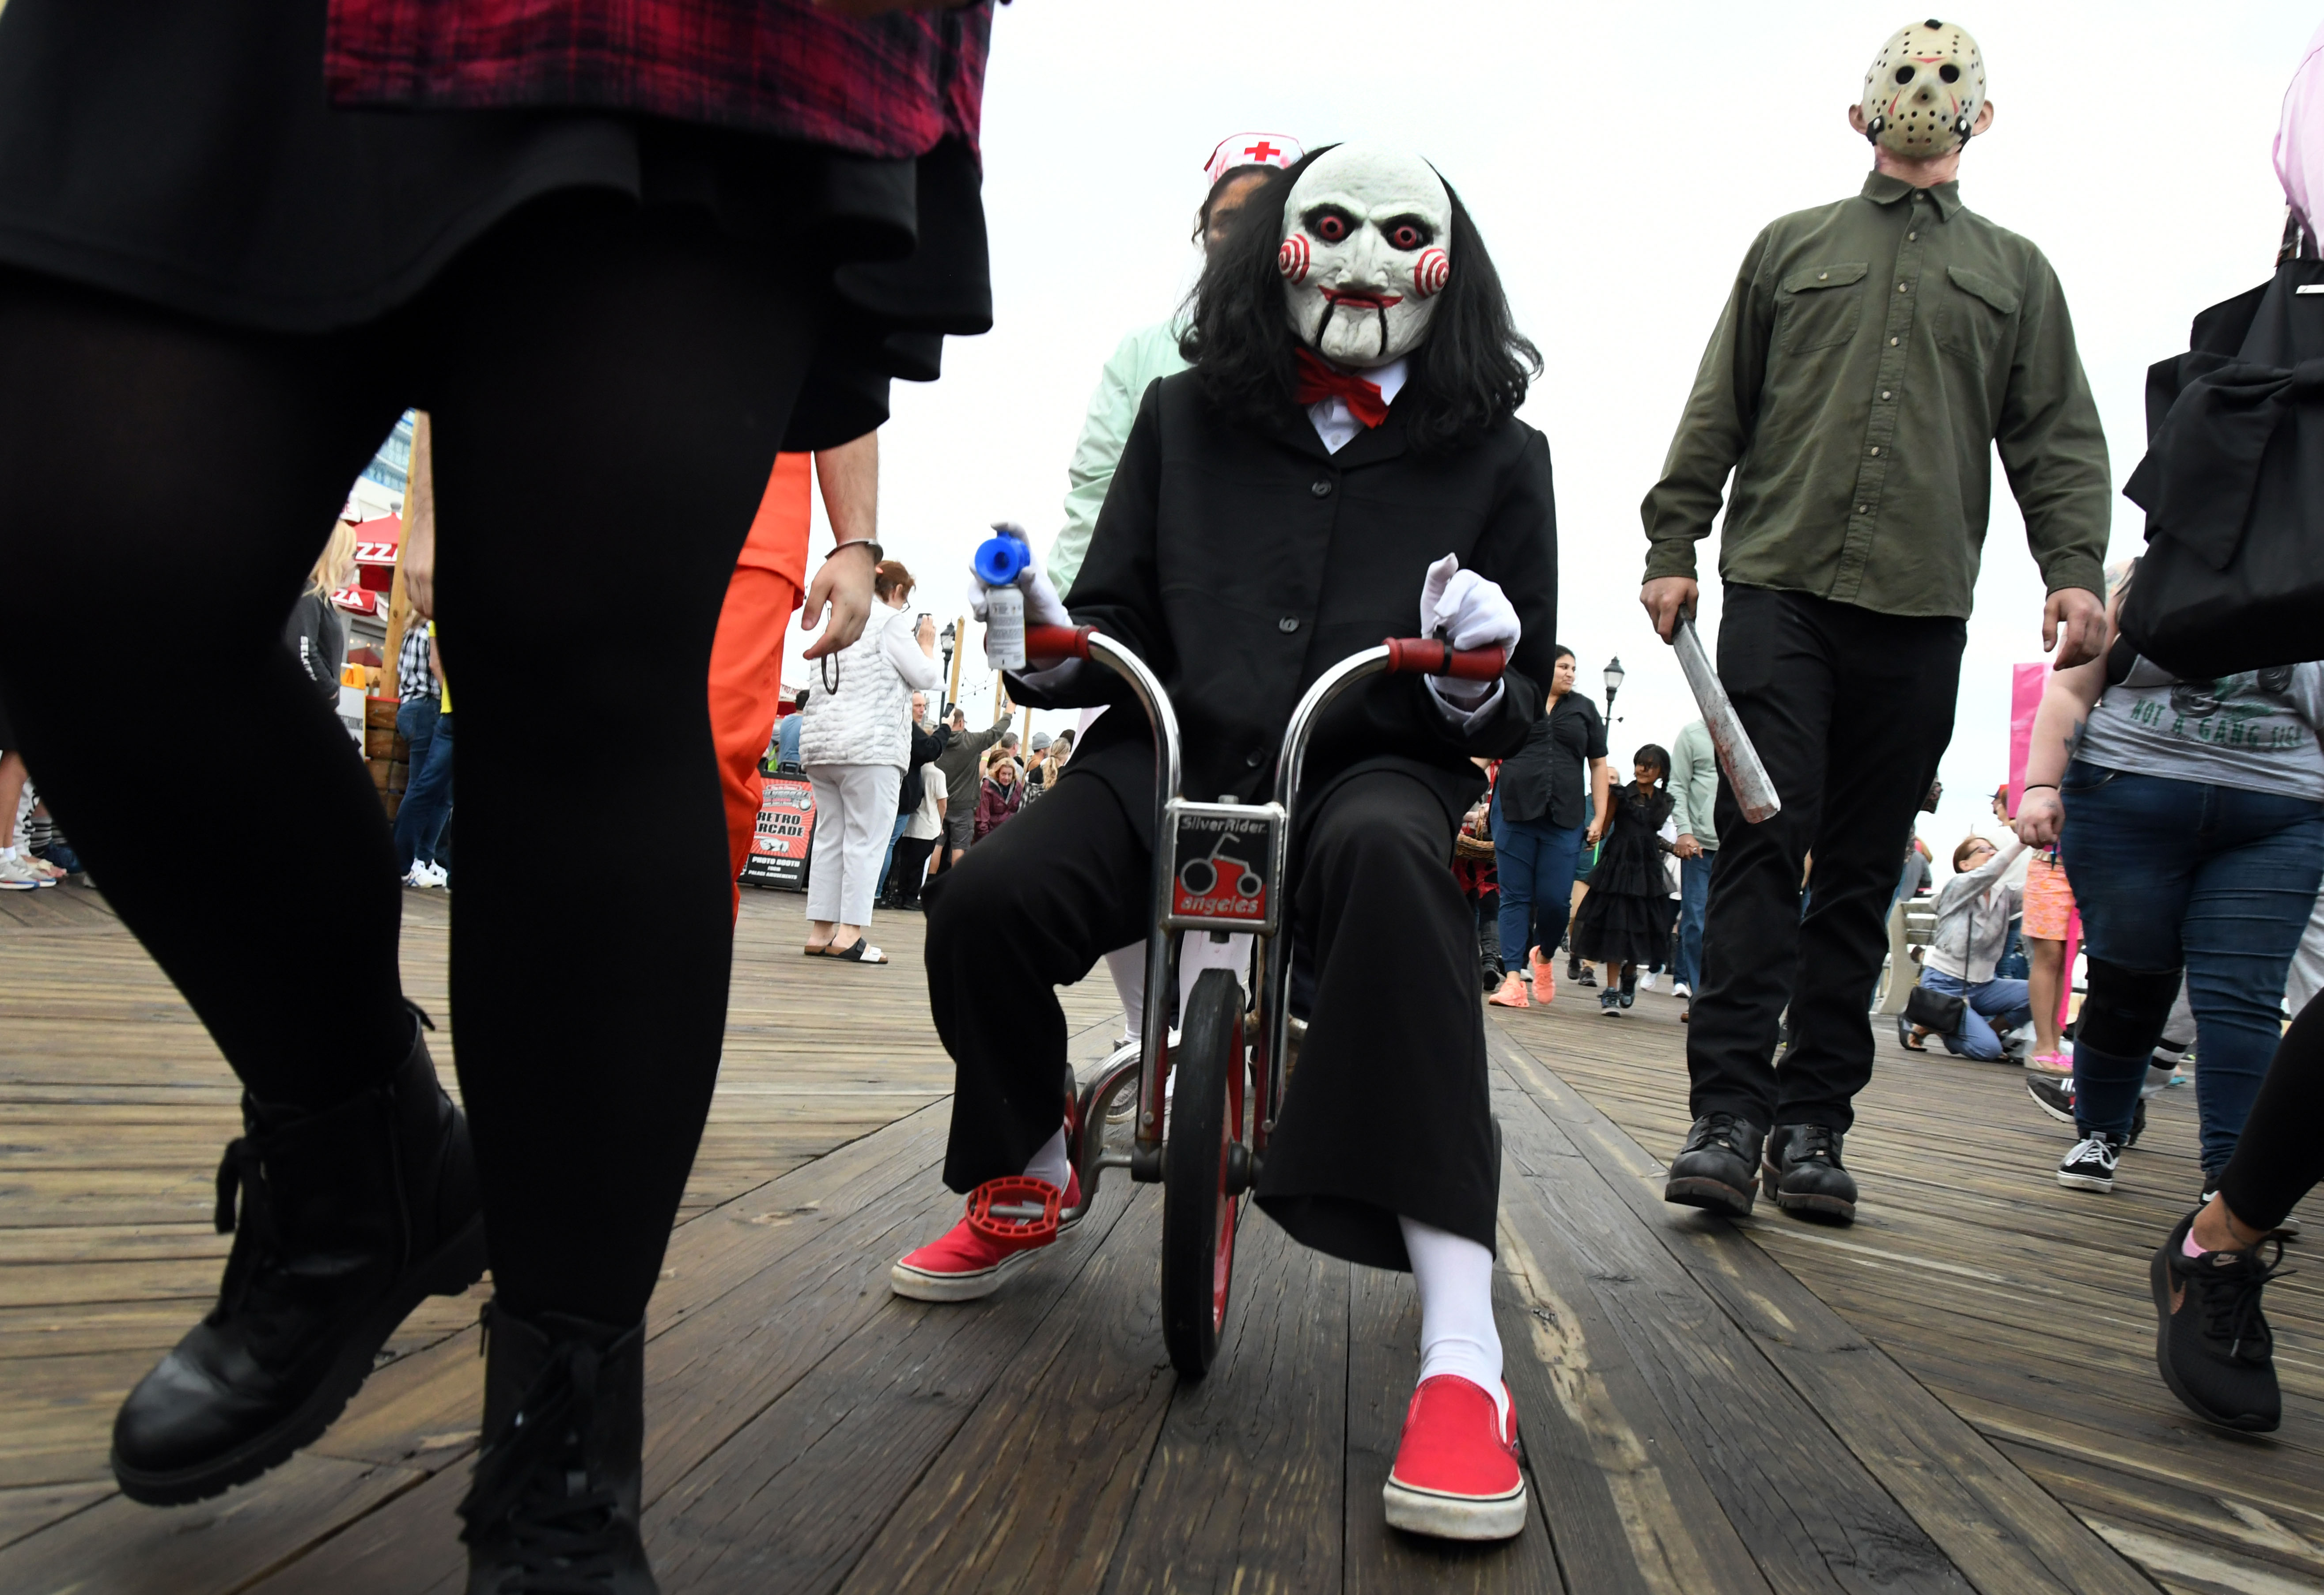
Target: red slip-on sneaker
{"x": 1456, "y": 1474}
{"x": 1544, "y": 978}
{"x": 968, "y": 1263}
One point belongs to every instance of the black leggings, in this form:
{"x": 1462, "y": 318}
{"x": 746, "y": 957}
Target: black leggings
{"x": 608, "y": 386}
{"x": 2279, "y": 1159}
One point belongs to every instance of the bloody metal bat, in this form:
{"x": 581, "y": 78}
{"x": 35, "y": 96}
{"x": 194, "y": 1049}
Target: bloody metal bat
{"x": 1754, "y": 792}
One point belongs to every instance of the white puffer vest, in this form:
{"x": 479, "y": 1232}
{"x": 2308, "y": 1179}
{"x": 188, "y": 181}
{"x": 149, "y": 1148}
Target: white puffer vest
{"x": 867, "y": 720}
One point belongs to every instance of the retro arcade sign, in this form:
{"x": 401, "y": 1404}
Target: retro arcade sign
{"x": 785, "y": 827}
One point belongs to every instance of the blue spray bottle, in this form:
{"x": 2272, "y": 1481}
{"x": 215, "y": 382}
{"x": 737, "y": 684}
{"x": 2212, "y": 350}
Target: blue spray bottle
{"x": 999, "y": 561}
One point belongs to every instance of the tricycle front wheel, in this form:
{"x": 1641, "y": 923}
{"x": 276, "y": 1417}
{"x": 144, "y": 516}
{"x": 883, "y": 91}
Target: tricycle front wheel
{"x": 1200, "y": 1206}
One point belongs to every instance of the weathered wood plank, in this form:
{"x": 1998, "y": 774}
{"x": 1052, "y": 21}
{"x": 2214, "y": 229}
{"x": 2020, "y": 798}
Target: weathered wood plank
{"x": 1246, "y": 1488}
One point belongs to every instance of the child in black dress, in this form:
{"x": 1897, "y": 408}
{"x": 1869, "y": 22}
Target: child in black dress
{"x": 1626, "y": 920}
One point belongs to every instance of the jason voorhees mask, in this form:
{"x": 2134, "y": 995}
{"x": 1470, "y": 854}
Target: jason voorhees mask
{"x": 1366, "y": 232}
{"x": 1924, "y": 90}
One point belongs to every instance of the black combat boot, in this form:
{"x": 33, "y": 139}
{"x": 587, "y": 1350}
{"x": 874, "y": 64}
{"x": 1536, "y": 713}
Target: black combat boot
{"x": 1802, "y": 1173}
{"x": 555, "y": 1497}
{"x": 347, "y": 1216}
{"x": 1715, "y": 1168}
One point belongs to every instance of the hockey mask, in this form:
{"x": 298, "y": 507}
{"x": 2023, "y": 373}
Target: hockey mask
{"x": 1366, "y": 235}
{"x": 1924, "y": 90}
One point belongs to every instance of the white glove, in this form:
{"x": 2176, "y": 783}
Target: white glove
{"x": 1468, "y": 612}
{"x": 1043, "y": 607}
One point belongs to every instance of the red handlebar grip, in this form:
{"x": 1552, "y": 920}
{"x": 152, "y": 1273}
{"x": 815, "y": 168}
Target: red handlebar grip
{"x": 1057, "y": 642}
{"x": 1425, "y": 656}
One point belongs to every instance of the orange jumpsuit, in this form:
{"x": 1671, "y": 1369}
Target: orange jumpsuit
{"x": 746, "y": 662}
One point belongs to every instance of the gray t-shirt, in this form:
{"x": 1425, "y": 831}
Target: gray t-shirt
{"x": 2255, "y": 729}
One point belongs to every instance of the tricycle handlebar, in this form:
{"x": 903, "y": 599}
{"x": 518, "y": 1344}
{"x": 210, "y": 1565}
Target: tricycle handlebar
{"x": 1425, "y": 656}
{"x": 1057, "y": 642}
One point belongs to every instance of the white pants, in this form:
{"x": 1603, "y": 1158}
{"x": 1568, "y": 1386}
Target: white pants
{"x": 854, "y": 814}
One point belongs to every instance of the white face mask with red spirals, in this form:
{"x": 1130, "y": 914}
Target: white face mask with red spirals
{"x": 1367, "y": 241}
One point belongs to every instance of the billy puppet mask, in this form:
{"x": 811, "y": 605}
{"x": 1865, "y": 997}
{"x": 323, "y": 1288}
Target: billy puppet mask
{"x": 1366, "y": 232}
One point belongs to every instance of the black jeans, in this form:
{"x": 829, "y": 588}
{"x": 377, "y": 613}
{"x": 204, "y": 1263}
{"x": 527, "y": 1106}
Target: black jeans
{"x": 1850, "y": 712}
{"x": 1388, "y": 1114}
{"x": 584, "y": 339}
{"x": 909, "y": 870}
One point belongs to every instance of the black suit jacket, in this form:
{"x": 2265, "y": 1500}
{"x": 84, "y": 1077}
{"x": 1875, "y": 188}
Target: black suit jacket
{"x": 1241, "y": 562}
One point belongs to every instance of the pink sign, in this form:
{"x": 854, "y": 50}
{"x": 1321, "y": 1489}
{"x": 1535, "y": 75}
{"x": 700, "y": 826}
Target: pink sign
{"x": 2025, "y": 685}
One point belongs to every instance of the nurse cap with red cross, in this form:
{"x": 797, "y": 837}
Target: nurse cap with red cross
{"x": 1250, "y": 149}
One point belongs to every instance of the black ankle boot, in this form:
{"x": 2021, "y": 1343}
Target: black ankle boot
{"x": 347, "y": 1217}
{"x": 1715, "y": 1168}
{"x": 555, "y": 1498}
{"x": 1802, "y": 1173}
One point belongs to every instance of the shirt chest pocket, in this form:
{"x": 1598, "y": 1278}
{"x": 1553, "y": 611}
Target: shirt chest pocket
{"x": 1979, "y": 317}
{"x": 1820, "y": 306}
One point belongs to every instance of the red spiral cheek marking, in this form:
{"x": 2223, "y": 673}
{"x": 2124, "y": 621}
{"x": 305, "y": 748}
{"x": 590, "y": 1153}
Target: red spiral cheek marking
{"x": 1291, "y": 260}
{"x": 1430, "y": 272}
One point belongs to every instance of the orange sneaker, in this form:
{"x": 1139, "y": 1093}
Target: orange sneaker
{"x": 968, "y": 1263}
{"x": 1511, "y": 992}
{"x": 1456, "y": 1475}
{"x": 1544, "y": 978}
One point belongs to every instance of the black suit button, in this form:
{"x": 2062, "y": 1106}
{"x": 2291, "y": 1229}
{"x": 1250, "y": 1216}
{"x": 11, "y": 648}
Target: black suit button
{"x": 1255, "y": 760}
{"x": 1321, "y": 489}
{"x": 1289, "y": 623}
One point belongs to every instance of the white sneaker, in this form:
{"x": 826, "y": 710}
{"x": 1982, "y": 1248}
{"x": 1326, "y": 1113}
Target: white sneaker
{"x": 1682, "y": 992}
{"x": 16, "y": 877}
{"x": 439, "y": 875}
{"x": 422, "y": 875}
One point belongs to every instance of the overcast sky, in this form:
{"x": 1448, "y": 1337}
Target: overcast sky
{"x": 1618, "y": 159}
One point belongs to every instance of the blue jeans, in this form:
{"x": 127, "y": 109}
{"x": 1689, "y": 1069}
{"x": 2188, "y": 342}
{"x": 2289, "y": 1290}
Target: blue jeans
{"x": 428, "y": 800}
{"x": 1694, "y": 899}
{"x": 1533, "y": 861}
{"x": 1994, "y": 1006}
{"x": 2220, "y": 880}
{"x": 895, "y": 834}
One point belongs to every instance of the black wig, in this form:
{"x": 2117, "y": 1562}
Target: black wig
{"x": 1470, "y": 371}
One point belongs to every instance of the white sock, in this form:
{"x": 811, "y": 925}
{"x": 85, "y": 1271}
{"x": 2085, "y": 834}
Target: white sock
{"x": 1454, "y": 1276}
{"x": 1127, "y": 965}
{"x": 1050, "y": 1164}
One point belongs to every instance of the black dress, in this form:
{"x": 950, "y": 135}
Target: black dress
{"x": 1627, "y": 917}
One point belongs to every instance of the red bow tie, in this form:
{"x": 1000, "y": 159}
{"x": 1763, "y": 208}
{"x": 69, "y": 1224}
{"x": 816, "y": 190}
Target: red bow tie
{"x": 1319, "y": 378}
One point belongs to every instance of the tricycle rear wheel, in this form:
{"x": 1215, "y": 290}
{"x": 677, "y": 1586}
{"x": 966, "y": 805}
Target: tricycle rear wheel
{"x": 1199, "y": 1208}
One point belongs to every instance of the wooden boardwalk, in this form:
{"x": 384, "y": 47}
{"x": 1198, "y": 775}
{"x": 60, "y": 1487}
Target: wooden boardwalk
{"x": 1955, "y": 1395}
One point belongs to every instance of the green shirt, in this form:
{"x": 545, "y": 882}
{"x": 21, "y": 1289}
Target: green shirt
{"x": 1870, "y": 357}
{"x": 1694, "y": 784}
{"x": 1143, "y": 358}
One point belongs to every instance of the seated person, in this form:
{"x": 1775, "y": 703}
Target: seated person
{"x": 1319, "y": 481}
{"x": 1973, "y": 915}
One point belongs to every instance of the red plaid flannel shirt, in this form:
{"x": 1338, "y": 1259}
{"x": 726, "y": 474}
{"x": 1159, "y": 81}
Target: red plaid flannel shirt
{"x": 890, "y": 85}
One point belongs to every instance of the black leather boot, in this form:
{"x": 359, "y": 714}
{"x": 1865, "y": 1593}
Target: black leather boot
{"x": 555, "y": 1497}
{"x": 1802, "y": 1174}
{"x": 347, "y": 1216}
{"x": 1714, "y": 1169}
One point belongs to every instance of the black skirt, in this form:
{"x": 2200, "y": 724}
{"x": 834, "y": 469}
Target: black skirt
{"x": 1628, "y": 914}
{"x": 185, "y": 155}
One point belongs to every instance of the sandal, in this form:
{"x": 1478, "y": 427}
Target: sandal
{"x": 822, "y": 952}
{"x": 1907, "y": 1034}
{"x": 858, "y": 950}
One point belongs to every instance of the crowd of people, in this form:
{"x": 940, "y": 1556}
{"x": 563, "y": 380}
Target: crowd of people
{"x": 1333, "y": 414}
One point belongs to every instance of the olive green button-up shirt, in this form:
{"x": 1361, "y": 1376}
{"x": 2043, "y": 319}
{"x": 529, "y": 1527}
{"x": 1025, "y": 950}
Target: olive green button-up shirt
{"x": 1871, "y": 355}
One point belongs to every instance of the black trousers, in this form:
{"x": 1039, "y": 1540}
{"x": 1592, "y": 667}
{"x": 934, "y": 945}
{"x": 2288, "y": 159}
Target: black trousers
{"x": 583, "y": 340}
{"x": 910, "y": 869}
{"x": 1388, "y": 1113}
{"x": 2279, "y": 1158}
{"x": 1850, "y": 712}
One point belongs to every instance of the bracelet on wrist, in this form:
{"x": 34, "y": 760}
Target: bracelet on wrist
{"x": 877, "y": 553}
{"x": 2041, "y": 787}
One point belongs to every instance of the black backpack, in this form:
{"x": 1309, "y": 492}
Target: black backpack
{"x": 2233, "y": 487}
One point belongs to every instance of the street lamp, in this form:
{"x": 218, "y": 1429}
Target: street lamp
{"x": 1613, "y": 684}
{"x": 947, "y": 640}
